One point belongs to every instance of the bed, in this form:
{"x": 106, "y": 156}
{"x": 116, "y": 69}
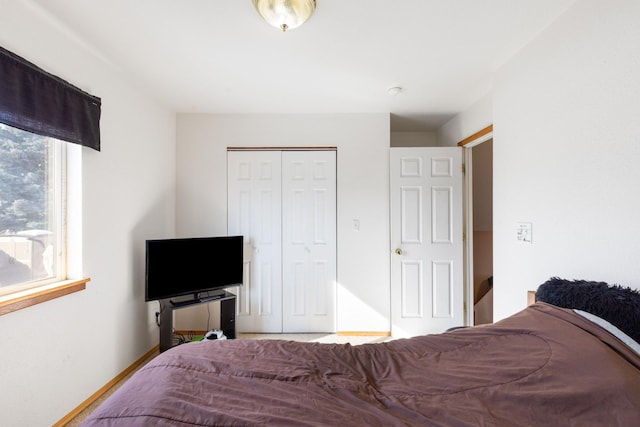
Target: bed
{"x": 546, "y": 366}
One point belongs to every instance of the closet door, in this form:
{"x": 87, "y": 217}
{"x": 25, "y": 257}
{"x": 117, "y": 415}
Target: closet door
{"x": 309, "y": 241}
{"x": 254, "y": 211}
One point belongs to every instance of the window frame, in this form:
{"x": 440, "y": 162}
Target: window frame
{"x": 26, "y": 294}
{"x": 33, "y": 296}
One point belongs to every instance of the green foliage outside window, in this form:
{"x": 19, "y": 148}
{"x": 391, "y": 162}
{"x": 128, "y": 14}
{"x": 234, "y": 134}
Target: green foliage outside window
{"x": 23, "y": 180}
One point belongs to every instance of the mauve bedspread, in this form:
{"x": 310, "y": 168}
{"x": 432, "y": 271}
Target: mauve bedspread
{"x": 544, "y": 366}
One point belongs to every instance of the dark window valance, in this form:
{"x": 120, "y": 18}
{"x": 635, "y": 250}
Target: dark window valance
{"x": 33, "y": 100}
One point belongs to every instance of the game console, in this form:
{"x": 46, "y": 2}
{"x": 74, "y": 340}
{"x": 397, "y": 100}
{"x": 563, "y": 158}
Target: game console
{"x": 215, "y": 334}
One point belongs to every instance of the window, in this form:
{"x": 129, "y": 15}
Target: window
{"x": 37, "y": 112}
{"x": 32, "y": 210}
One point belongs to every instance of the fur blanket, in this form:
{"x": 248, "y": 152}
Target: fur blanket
{"x": 618, "y": 305}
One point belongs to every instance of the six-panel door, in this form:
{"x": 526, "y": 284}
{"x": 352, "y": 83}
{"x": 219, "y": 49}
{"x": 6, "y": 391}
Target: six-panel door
{"x": 284, "y": 204}
{"x": 254, "y": 211}
{"x": 426, "y": 239}
{"x": 309, "y": 241}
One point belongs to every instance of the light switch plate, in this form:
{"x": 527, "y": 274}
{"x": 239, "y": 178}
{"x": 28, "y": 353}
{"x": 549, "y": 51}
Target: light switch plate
{"x": 524, "y": 232}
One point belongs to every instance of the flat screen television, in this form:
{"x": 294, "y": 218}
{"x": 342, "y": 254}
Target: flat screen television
{"x": 192, "y": 266}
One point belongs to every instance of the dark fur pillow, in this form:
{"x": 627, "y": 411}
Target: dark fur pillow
{"x": 617, "y": 305}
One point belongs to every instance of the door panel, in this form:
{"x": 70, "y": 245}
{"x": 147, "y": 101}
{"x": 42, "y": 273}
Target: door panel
{"x": 426, "y": 238}
{"x": 284, "y": 204}
{"x": 411, "y": 211}
{"x": 254, "y": 211}
{"x": 309, "y": 240}
{"x": 412, "y": 289}
{"x": 443, "y": 289}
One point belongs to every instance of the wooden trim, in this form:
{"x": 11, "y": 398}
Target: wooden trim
{"x": 95, "y": 396}
{"x": 475, "y": 136}
{"x": 324, "y": 148}
{"x": 42, "y": 294}
{"x": 364, "y": 334}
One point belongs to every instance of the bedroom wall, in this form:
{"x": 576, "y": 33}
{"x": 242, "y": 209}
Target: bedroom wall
{"x": 56, "y": 354}
{"x": 478, "y": 116}
{"x": 363, "y": 193}
{"x": 414, "y": 139}
{"x": 566, "y": 153}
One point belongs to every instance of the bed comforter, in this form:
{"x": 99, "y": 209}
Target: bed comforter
{"x": 544, "y": 366}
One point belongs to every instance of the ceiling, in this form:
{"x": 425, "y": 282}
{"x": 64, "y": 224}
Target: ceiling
{"x": 219, "y": 56}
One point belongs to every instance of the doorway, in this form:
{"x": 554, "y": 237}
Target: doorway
{"x": 479, "y": 225}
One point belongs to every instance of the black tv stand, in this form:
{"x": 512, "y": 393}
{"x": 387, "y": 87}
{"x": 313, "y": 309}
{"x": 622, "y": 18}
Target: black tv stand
{"x": 201, "y": 297}
{"x": 227, "y": 314}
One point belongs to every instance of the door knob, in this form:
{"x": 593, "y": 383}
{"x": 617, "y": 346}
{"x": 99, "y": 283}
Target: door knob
{"x": 398, "y": 251}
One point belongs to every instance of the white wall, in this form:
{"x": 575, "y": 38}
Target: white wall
{"x": 362, "y": 143}
{"x": 477, "y": 117}
{"x": 566, "y": 153}
{"x": 56, "y": 354}
{"x": 567, "y": 150}
{"x": 414, "y": 139}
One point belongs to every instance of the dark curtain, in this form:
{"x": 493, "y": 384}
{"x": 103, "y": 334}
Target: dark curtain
{"x": 33, "y": 100}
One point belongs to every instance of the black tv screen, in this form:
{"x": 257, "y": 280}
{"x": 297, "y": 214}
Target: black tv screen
{"x": 176, "y": 267}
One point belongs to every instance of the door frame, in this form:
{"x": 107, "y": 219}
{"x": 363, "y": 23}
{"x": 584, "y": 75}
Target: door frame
{"x": 467, "y": 144}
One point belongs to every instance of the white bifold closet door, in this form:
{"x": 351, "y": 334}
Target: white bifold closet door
{"x": 254, "y": 200}
{"x": 308, "y": 241}
{"x": 284, "y": 204}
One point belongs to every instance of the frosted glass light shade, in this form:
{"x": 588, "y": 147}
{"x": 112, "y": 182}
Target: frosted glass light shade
{"x": 285, "y": 14}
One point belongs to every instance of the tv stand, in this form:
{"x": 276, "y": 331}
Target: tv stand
{"x": 227, "y": 314}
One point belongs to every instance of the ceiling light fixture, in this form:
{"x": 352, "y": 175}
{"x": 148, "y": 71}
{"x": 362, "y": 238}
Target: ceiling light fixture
{"x": 285, "y": 14}
{"x": 393, "y": 91}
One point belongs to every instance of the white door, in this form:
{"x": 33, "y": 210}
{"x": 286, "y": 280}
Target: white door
{"x": 254, "y": 211}
{"x": 309, "y": 241}
{"x": 426, "y": 240}
{"x": 284, "y": 204}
